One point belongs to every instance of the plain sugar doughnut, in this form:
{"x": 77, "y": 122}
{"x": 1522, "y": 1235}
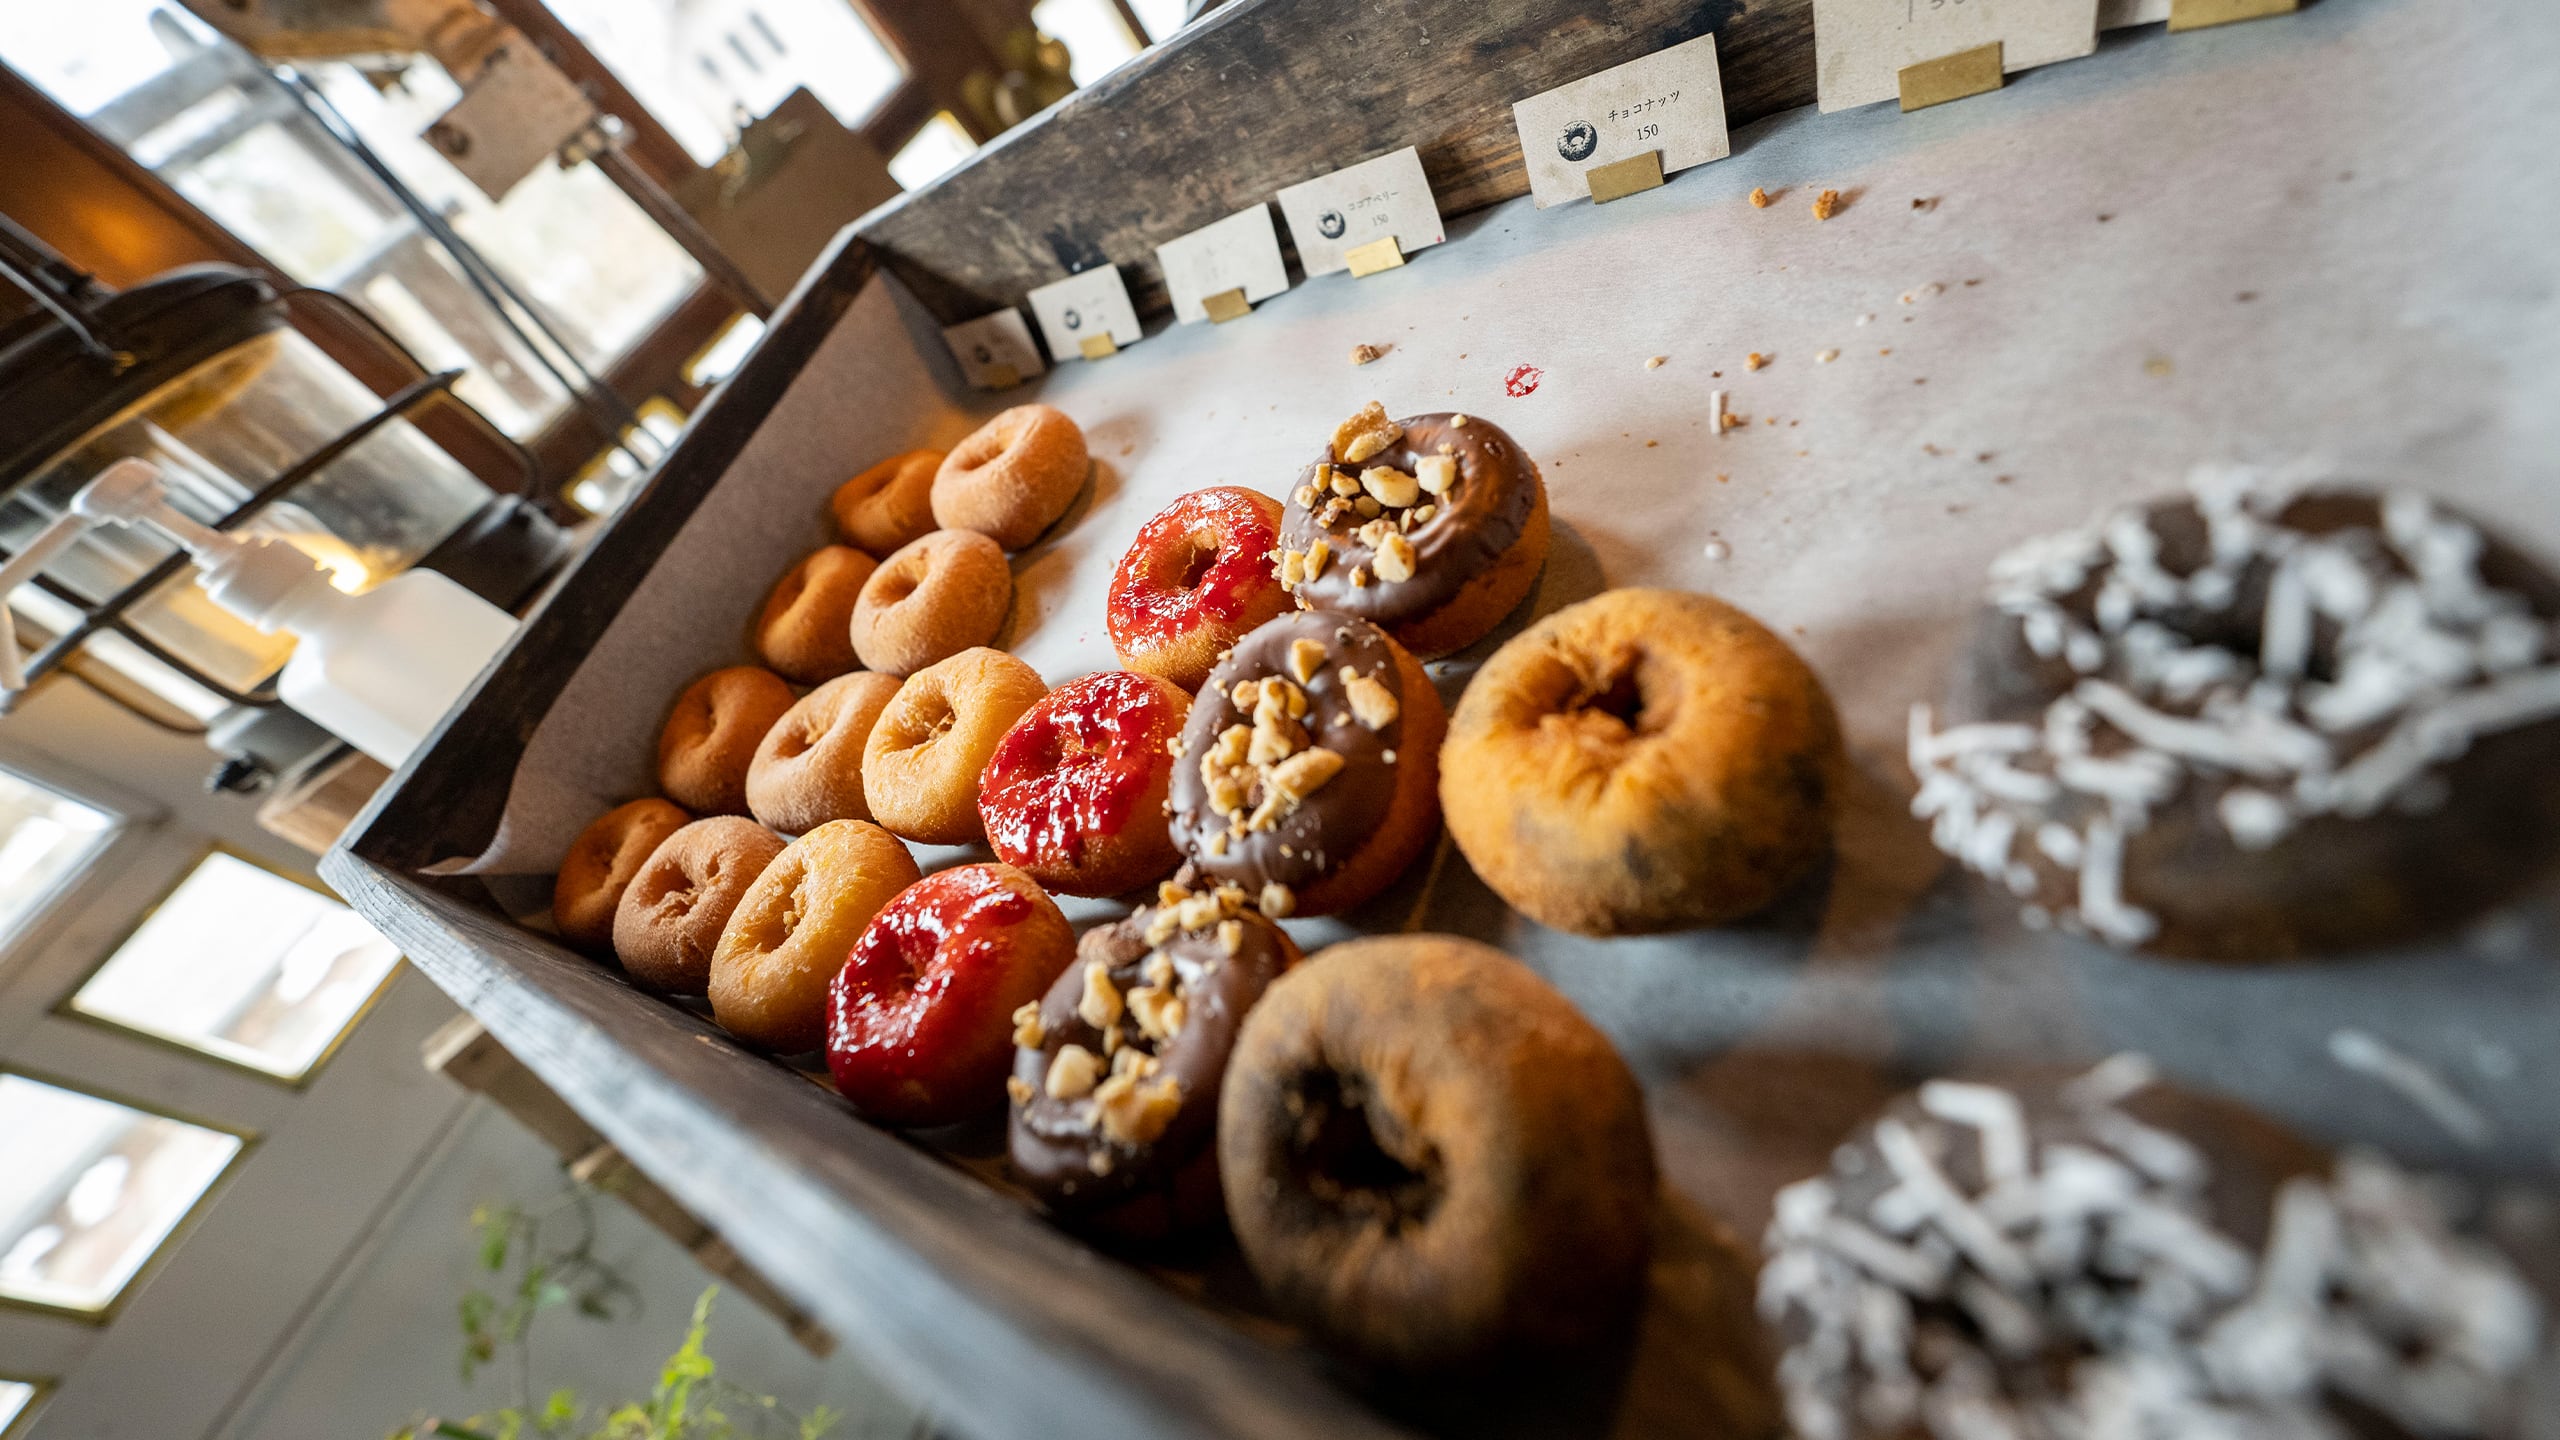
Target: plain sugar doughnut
{"x": 921, "y": 767}
{"x": 711, "y": 736}
{"x": 937, "y": 597}
{"x": 808, "y": 771}
{"x": 792, "y": 930}
{"x": 889, "y": 505}
{"x": 805, "y": 630}
{"x": 1013, "y": 477}
{"x": 600, "y": 865}
{"x": 669, "y": 922}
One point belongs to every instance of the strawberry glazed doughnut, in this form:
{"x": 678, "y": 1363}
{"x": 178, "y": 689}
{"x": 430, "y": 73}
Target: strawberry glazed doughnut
{"x": 932, "y": 600}
{"x": 1309, "y": 769}
{"x": 1432, "y": 527}
{"x": 921, "y": 766}
{"x": 600, "y": 865}
{"x": 670, "y": 919}
{"x": 1013, "y": 477}
{"x": 1197, "y": 579}
{"x": 808, "y": 771}
{"x": 803, "y": 633}
{"x": 1074, "y": 794}
{"x": 889, "y": 505}
{"x": 712, "y": 734}
{"x": 793, "y": 928}
{"x": 920, "y": 1015}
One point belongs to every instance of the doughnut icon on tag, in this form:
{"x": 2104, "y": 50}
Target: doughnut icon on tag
{"x": 1578, "y": 141}
{"x": 1332, "y": 224}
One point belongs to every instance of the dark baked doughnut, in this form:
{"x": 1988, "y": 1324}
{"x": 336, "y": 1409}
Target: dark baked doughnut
{"x": 2242, "y": 727}
{"x": 1431, "y": 1159}
{"x": 1308, "y": 769}
{"x": 1124, "y": 1145}
{"x": 600, "y": 865}
{"x": 889, "y": 505}
{"x": 805, "y": 632}
{"x": 668, "y": 925}
{"x": 1431, "y": 527}
{"x": 711, "y": 737}
{"x": 808, "y": 768}
{"x": 2106, "y": 1257}
{"x": 1645, "y": 760}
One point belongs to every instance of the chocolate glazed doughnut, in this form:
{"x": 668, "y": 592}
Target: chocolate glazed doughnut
{"x": 1431, "y": 528}
{"x": 1432, "y": 1160}
{"x": 1115, "y": 1084}
{"x": 1308, "y": 770}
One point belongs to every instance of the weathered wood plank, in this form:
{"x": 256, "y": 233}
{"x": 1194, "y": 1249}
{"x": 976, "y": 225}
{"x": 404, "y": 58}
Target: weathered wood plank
{"x": 1266, "y": 93}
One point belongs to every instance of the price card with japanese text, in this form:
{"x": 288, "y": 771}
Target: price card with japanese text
{"x": 1861, "y": 46}
{"x": 1386, "y": 198}
{"x": 1670, "y": 101}
{"x": 1241, "y": 252}
{"x": 995, "y": 351}
{"x": 1075, "y": 311}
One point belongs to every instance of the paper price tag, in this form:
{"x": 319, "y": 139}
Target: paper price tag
{"x": 995, "y": 351}
{"x": 1671, "y": 101}
{"x": 1241, "y": 252}
{"x": 1860, "y": 46}
{"x": 1081, "y": 307}
{"x": 1386, "y": 198}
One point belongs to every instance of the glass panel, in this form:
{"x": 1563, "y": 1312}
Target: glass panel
{"x": 1161, "y": 17}
{"x": 243, "y": 965}
{"x": 15, "y": 1397}
{"x": 935, "y": 148}
{"x": 45, "y": 839}
{"x": 706, "y": 67}
{"x": 91, "y": 1190}
{"x": 720, "y": 359}
{"x": 1097, "y": 39}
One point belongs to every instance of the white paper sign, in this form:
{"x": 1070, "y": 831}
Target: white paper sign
{"x": 991, "y": 344}
{"x": 1073, "y": 310}
{"x": 1334, "y": 214}
{"x": 2117, "y": 14}
{"x": 1860, "y": 46}
{"x": 1241, "y": 252}
{"x": 1671, "y": 101}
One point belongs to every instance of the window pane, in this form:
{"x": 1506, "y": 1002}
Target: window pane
{"x": 91, "y": 1189}
{"x": 1161, "y": 17}
{"x": 706, "y": 67}
{"x": 935, "y": 148}
{"x": 45, "y": 838}
{"x": 244, "y": 965}
{"x": 1097, "y": 39}
{"x": 15, "y": 1397}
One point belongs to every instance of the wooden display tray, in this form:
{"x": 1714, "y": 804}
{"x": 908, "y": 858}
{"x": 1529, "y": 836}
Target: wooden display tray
{"x": 1760, "y": 1045}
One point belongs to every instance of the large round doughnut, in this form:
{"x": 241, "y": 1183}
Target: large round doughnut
{"x": 1127, "y": 1147}
{"x": 803, "y": 631}
{"x": 1309, "y": 767}
{"x": 1432, "y": 1160}
{"x": 711, "y": 736}
{"x": 922, "y": 764}
{"x": 600, "y": 865}
{"x": 1013, "y": 477}
{"x": 2247, "y": 725}
{"x": 1075, "y": 793}
{"x": 1196, "y": 580}
{"x": 808, "y": 770}
{"x": 792, "y": 930}
{"x": 1646, "y": 760}
{"x": 1432, "y": 527}
{"x": 930, "y": 601}
{"x": 890, "y": 505}
{"x": 669, "y": 922}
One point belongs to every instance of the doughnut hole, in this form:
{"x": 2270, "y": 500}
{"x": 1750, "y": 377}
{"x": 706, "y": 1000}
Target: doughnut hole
{"x": 667, "y": 927}
{"x": 711, "y": 737}
{"x": 889, "y": 505}
{"x": 933, "y": 599}
{"x": 804, "y": 631}
{"x": 1338, "y": 1157}
{"x": 793, "y": 927}
{"x": 922, "y": 765}
{"x": 808, "y": 770}
{"x": 1013, "y": 477}
{"x": 601, "y": 864}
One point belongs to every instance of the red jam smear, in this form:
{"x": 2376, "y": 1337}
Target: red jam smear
{"x": 1076, "y": 765}
{"x": 1143, "y": 607}
{"x": 937, "y": 933}
{"x": 1523, "y": 380}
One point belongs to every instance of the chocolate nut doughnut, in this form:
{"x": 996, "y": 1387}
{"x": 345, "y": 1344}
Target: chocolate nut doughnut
{"x": 930, "y": 601}
{"x": 711, "y": 737}
{"x": 1645, "y": 760}
{"x": 1013, "y": 477}
{"x": 921, "y": 766}
{"x": 1432, "y": 527}
{"x": 808, "y": 769}
{"x": 2108, "y": 1257}
{"x": 792, "y": 929}
{"x": 669, "y": 922}
{"x": 1115, "y": 1084}
{"x": 600, "y": 865}
{"x": 802, "y": 632}
{"x": 1432, "y": 1160}
{"x": 890, "y": 505}
{"x": 1308, "y": 770}
{"x": 2243, "y": 726}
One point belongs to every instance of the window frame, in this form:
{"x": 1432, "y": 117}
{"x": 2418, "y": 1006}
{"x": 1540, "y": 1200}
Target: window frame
{"x": 24, "y": 1421}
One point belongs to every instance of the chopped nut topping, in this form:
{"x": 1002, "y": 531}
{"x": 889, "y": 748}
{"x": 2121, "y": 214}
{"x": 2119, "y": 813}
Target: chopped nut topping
{"x": 1018, "y": 1090}
{"x": 1359, "y": 577}
{"x": 1293, "y": 570}
{"x": 1826, "y": 204}
{"x": 1306, "y": 657}
{"x": 1217, "y": 844}
{"x": 1231, "y": 936}
{"x": 1306, "y": 497}
{"x": 1367, "y": 507}
{"x": 1178, "y": 746}
{"x": 1363, "y": 354}
{"x": 1317, "y": 555}
{"x": 1134, "y": 1114}
{"x": 1391, "y": 487}
{"x": 1199, "y": 912}
{"x": 1162, "y": 925}
{"x": 1387, "y": 757}
{"x": 1754, "y": 360}
{"x": 1759, "y": 198}
{"x": 1372, "y": 703}
{"x": 1099, "y": 1162}
{"x": 1169, "y": 892}
{"x": 1306, "y": 772}
{"x": 1100, "y": 1007}
{"x": 1343, "y": 485}
{"x": 1231, "y": 899}
{"x": 1244, "y": 693}
{"x": 1457, "y": 422}
{"x": 1395, "y": 559}
{"x": 1421, "y": 514}
{"x": 1365, "y": 434}
{"x": 1657, "y": 362}
{"x": 1028, "y": 1032}
{"x": 1434, "y": 474}
{"x": 1372, "y": 534}
{"x": 1277, "y": 900}
{"x": 1159, "y": 1012}
{"x": 1132, "y": 1063}
{"x": 1072, "y": 1073}
{"x": 1157, "y": 970}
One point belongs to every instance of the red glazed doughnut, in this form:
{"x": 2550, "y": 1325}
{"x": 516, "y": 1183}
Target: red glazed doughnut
{"x": 712, "y": 734}
{"x": 803, "y": 632}
{"x": 932, "y": 600}
{"x": 600, "y": 865}
{"x": 1075, "y": 792}
{"x": 1197, "y": 580}
{"x": 920, "y": 1019}
{"x": 889, "y": 505}
{"x": 1013, "y": 477}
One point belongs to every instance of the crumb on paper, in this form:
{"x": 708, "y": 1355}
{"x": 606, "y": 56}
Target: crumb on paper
{"x": 1715, "y": 412}
{"x": 2158, "y": 365}
{"x": 1652, "y": 444}
{"x": 1825, "y": 357}
{"x": 1826, "y": 204}
{"x": 1929, "y": 449}
{"x": 1885, "y": 350}
{"x": 1754, "y": 360}
{"x": 1759, "y": 198}
{"x": 1723, "y": 479}
{"x": 1364, "y": 353}
{"x": 1867, "y": 319}
{"x": 2002, "y": 479}
{"x": 1924, "y": 202}
{"x": 1656, "y": 362}
{"x": 1982, "y": 459}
